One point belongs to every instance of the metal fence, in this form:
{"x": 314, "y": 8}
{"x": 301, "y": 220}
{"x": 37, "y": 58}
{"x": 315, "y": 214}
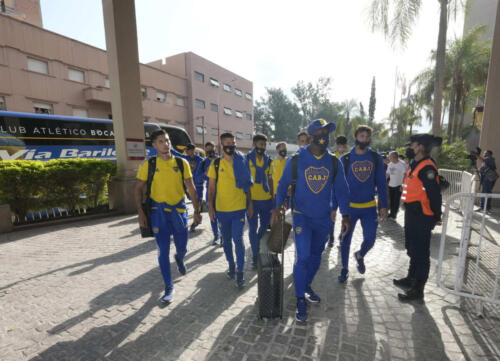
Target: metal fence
{"x": 460, "y": 182}
{"x": 478, "y": 266}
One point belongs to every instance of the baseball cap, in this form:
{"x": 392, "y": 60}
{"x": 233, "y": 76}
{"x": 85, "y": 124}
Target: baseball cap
{"x": 426, "y": 140}
{"x": 319, "y": 124}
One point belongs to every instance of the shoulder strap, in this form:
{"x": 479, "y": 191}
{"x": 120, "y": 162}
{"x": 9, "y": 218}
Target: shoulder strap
{"x": 347, "y": 161}
{"x": 180, "y": 164}
{"x": 295, "y": 171}
{"x": 151, "y": 173}
{"x": 216, "y": 166}
{"x": 375, "y": 158}
{"x": 335, "y": 166}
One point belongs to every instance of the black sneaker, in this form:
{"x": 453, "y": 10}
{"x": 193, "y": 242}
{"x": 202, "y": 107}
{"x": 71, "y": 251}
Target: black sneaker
{"x": 361, "y": 263}
{"x": 181, "y": 267}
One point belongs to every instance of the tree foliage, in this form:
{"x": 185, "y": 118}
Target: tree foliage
{"x": 372, "y": 104}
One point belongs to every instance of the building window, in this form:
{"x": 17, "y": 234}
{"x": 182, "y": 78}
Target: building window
{"x": 106, "y": 83}
{"x": 215, "y": 131}
{"x": 227, "y": 88}
{"x": 199, "y": 103}
{"x": 214, "y": 107}
{"x": 3, "y": 105}
{"x": 180, "y": 101}
{"x": 39, "y": 66}
{"x": 228, "y": 111}
{"x": 250, "y": 136}
{"x": 161, "y": 97}
{"x": 144, "y": 92}
{"x": 214, "y": 82}
{"x": 200, "y": 129}
{"x": 238, "y": 114}
{"x": 199, "y": 76}
{"x": 239, "y": 135}
{"x": 43, "y": 108}
{"x": 238, "y": 92}
{"x": 79, "y": 112}
{"x": 248, "y": 116}
{"x": 76, "y": 75}
{"x": 248, "y": 96}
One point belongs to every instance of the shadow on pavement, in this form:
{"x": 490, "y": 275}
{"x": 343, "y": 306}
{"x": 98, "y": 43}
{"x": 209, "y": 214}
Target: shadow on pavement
{"x": 427, "y": 342}
{"x": 126, "y": 254}
{"x": 246, "y": 334}
{"x": 173, "y": 334}
{"x": 149, "y": 282}
{"x": 484, "y": 330}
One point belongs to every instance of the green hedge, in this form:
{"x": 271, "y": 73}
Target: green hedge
{"x": 28, "y": 185}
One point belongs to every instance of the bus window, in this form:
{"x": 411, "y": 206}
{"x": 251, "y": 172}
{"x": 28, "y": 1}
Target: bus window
{"x": 178, "y": 136}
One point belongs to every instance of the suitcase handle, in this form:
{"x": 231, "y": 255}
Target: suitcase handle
{"x": 282, "y": 215}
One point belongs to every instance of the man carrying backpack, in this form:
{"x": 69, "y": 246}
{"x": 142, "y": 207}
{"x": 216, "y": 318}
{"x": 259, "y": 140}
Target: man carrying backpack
{"x": 260, "y": 166}
{"x": 365, "y": 176}
{"x": 228, "y": 200}
{"x": 168, "y": 207}
{"x": 203, "y": 174}
{"x": 318, "y": 181}
{"x": 194, "y": 161}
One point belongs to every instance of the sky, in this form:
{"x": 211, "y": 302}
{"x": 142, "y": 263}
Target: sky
{"x": 272, "y": 43}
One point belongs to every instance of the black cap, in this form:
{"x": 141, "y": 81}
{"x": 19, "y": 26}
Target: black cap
{"x": 427, "y": 140}
{"x": 190, "y": 146}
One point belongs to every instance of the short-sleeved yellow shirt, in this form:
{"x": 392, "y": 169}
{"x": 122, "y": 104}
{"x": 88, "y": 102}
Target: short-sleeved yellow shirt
{"x": 258, "y": 192}
{"x": 277, "y": 168}
{"x": 229, "y": 198}
{"x": 167, "y": 182}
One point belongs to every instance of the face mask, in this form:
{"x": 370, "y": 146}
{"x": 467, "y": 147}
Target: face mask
{"x": 410, "y": 153}
{"x": 282, "y": 153}
{"x": 260, "y": 151}
{"x": 211, "y": 153}
{"x": 362, "y": 145}
{"x": 229, "y": 149}
{"x": 321, "y": 140}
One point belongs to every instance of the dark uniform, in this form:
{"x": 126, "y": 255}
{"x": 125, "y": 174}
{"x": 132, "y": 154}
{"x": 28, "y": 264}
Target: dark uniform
{"x": 422, "y": 199}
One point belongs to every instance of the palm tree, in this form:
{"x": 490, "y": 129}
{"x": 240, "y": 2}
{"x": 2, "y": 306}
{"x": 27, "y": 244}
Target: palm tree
{"x": 464, "y": 76}
{"x": 396, "y": 19}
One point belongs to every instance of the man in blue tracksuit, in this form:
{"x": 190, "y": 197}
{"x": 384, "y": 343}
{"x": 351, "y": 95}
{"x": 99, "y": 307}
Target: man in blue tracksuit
{"x": 194, "y": 161}
{"x": 365, "y": 175}
{"x": 260, "y": 166}
{"x": 319, "y": 183}
{"x": 203, "y": 173}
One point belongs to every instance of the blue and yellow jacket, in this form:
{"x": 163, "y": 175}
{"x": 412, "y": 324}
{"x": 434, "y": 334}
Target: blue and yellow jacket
{"x": 364, "y": 180}
{"x": 316, "y": 191}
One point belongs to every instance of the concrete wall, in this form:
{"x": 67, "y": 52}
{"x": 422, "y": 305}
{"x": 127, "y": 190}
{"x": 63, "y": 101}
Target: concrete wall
{"x": 481, "y": 12}
{"x": 21, "y": 87}
{"x": 186, "y": 64}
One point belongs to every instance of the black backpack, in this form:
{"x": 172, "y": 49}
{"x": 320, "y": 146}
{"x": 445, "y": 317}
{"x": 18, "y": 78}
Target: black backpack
{"x": 152, "y": 169}
{"x": 295, "y": 171}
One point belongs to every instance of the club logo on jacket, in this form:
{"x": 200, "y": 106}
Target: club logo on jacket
{"x": 362, "y": 169}
{"x": 316, "y": 178}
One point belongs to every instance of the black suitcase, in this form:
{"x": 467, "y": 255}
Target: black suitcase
{"x": 270, "y": 286}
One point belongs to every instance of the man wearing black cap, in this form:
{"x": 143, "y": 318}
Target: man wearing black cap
{"x": 422, "y": 199}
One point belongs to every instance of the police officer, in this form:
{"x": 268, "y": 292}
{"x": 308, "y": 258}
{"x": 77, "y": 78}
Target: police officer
{"x": 422, "y": 199}
{"x": 317, "y": 187}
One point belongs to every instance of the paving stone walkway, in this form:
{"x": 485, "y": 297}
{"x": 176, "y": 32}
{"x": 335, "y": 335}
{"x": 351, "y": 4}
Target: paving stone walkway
{"x": 89, "y": 291}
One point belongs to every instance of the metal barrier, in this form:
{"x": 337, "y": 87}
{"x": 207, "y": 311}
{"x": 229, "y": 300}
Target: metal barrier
{"x": 463, "y": 253}
{"x": 460, "y": 182}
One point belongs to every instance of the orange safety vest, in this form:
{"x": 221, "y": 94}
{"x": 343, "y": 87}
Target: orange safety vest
{"x": 414, "y": 190}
